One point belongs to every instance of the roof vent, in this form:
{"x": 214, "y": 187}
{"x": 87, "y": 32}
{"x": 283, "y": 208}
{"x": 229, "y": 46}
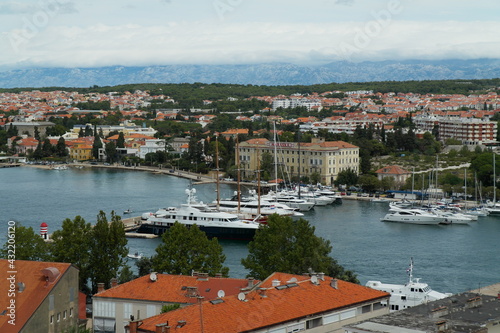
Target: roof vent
{"x": 181, "y": 323}
{"x": 334, "y": 284}
{"x": 202, "y": 276}
{"x": 262, "y": 292}
{"x": 51, "y": 274}
{"x": 321, "y": 276}
{"x": 217, "y": 301}
{"x": 276, "y": 283}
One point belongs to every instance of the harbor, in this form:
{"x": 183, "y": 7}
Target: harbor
{"x": 451, "y": 258}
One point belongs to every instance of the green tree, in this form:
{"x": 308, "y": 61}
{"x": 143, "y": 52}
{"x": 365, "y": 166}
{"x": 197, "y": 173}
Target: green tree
{"x": 72, "y": 244}
{"x": 28, "y": 245}
{"x": 186, "y": 249}
{"x": 60, "y": 149}
{"x": 108, "y": 249}
{"x": 347, "y": 177}
{"x": 291, "y": 247}
{"x": 120, "y": 143}
{"x": 111, "y": 152}
{"x": 369, "y": 183}
{"x": 144, "y": 266}
{"x": 96, "y": 146}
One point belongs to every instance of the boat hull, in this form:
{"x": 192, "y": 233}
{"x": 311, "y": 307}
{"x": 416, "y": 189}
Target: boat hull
{"x": 210, "y": 231}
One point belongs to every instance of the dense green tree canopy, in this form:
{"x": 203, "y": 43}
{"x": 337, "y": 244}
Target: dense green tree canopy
{"x": 108, "y": 249}
{"x": 291, "y": 247}
{"x": 72, "y": 244}
{"x": 186, "y": 249}
{"x": 27, "y": 246}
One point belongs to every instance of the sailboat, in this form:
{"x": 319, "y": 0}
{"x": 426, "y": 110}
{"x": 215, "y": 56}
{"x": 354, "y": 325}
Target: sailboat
{"x": 494, "y": 207}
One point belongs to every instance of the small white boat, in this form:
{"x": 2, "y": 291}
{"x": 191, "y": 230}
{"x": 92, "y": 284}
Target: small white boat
{"x": 408, "y": 295}
{"x": 136, "y": 255}
{"x": 128, "y": 211}
{"x": 60, "y": 167}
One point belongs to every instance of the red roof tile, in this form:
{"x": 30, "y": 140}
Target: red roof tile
{"x": 259, "y": 311}
{"x": 36, "y": 288}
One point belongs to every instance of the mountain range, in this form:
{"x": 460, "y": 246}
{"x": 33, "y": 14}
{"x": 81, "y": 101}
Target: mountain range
{"x": 256, "y": 74}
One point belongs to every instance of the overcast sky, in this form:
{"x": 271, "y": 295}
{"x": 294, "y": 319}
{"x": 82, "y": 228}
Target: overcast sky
{"x": 93, "y": 33}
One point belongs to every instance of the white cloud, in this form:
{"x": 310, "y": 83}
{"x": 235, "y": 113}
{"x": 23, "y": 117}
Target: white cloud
{"x": 179, "y": 43}
{"x": 156, "y": 32}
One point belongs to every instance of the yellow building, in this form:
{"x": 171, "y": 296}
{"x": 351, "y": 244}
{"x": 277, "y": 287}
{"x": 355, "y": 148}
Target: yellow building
{"x": 325, "y": 158}
{"x": 81, "y": 152}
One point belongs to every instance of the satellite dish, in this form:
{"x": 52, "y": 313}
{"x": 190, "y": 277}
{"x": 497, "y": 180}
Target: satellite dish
{"x": 314, "y": 279}
{"x": 292, "y": 280}
{"x": 153, "y": 277}
{"x": 241, "y": 296}
{"x": 221, "y": 293}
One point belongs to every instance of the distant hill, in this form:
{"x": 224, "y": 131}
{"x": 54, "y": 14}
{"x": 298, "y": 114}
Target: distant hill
{"x": 257, "y": 74}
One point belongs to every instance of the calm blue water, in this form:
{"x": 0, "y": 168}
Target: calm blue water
{"x": 449, "y": 258}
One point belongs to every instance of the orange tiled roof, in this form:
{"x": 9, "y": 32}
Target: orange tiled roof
{"x": 277, "y": 306}
{"x": 36, "y": 288}
{"x": 330, "y": 144}
{"x": 392, "y": 170}
{"x": 172, "y": 288}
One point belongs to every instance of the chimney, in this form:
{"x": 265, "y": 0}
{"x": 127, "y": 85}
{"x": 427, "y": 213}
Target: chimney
{"x": 439, "y": 312}
{"x": 262, "y": 292}
{"x": 133, "y": 325}
{"x": 218, "y": 275}
{"x": 442, "y": 325}
{"x": 276, "y": 283}
{"x": 334, "y": 284}
{"x": 251, "y": 283}
{"x": 100, "y": 287}
{"x": 162, "y": 328}
{"x": 202, "y": 277}
{"x": 321, "y": 276}
{"x": 114, "y": 282}
{"x": 474, "y": 302}
{"x": 192, "y": 291}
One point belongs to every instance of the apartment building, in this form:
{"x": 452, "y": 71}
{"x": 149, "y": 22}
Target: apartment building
{"x": 327, "y": 158}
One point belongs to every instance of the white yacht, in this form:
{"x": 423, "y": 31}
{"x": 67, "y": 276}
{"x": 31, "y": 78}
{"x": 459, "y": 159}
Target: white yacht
{"x": 214, "y": 223}
{"x": 292, "y": 201}
{"x": 408, "y": 295}
{"x": 413, "y": 216}
{"x": 250, "y": 204}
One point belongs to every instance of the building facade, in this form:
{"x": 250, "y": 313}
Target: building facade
{"x": 326, "y": 158}
{"x": 469, "y": 131}
{"x": 43, "y": 297}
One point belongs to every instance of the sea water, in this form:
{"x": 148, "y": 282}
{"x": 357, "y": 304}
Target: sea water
{"x": 451, "y": 258}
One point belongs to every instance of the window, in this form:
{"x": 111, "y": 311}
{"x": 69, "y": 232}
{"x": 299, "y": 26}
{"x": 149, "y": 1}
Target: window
{"x": 316, "y": 322}
{"x": 71, "y": 312}
{"x": 58, "y": 316}
{"x": 52, "y": 319}
{"x": 64, "y": 314}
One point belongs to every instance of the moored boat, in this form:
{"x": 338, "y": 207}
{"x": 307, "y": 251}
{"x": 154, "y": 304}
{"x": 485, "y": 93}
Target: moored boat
{"x": 214, "y": 223}
{"x": 413, "y": 216}
{"x": 411, "y": 294}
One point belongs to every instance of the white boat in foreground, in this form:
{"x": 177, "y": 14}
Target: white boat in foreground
{"x": 413, "y": 216}
{"x": 408, "y": 295}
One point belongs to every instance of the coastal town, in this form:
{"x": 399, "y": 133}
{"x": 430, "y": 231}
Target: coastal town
{"x": 298, "y": 151}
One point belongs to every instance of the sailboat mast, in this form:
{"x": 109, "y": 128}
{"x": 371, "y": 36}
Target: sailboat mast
{"x": 238, "y": 172}
{"x": 258, "y": 181}
{"x": 217, "y": 170}
{"x": 275, "y": 159}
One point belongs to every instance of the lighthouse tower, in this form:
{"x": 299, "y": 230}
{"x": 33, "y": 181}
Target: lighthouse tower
{"x": 44, "y": 230}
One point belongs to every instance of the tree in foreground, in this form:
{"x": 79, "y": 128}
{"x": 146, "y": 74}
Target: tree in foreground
{"x": 27, "y": 246}
{"x": 291, "y": 247}
{"x": 108, "y": 249}
{"x": 72, "y": 244}
{"x": 186, "y": 249}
